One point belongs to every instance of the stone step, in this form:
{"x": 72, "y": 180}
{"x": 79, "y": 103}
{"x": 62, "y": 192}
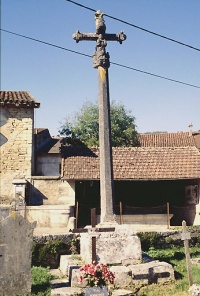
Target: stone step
{"x": 67, "y": 291}
{"x": 122, "y": 292}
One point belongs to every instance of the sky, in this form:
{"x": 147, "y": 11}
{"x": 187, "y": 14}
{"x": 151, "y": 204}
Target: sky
{"x": 63, "y": 81}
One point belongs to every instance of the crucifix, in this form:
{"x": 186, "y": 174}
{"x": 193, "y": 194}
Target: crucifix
{"x": 102, "y": 63}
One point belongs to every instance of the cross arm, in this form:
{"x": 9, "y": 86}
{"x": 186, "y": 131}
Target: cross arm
{"x": 78, "y": 36}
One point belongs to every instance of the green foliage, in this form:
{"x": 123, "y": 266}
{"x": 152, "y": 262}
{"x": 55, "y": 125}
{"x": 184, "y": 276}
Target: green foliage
{"x": 75, "y": 246}
{"x": 151, "y": 240}
{"x": 84, "y": 125}
{"x": 41, "y": 281}
{"x": 155, "y": 240}
{"x": 48, "y": 254}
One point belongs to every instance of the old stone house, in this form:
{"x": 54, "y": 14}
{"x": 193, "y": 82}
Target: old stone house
{"x": 16, "y": 136}
{"x": 58, "y": 178}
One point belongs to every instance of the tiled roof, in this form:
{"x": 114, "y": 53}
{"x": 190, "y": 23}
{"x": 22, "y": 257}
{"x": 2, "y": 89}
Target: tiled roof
{"x": 135, "y": 163}
{"x": 180, "y": 139}
{"x": 52, "y": 145}
{"x": 18, "y": 98}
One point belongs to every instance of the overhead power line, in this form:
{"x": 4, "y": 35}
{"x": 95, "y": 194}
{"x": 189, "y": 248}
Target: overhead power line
{"x": 137, "y": 27}
{"x": 89, "y": 56}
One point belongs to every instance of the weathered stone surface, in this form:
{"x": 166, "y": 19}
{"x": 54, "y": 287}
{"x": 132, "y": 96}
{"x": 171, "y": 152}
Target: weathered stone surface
{"x": 122, "y": 292}
{"x": 67, "y": 292}
{"x": 75, "y": 279}
{"x": 113, "y": 247}
{"x": 49, "y": 215}
{"x": 194, "y": 290}
{"x": 68, "y": 263}
{"x": 123, "y": 276}
{"x": 152, "y": 272}
{"x": 16, "y": 250}
{"x": 4, "y": 212}
{"x": 59, "y": 283}
{"x": 16, "y": 153}
{"x": 64, "y": 262}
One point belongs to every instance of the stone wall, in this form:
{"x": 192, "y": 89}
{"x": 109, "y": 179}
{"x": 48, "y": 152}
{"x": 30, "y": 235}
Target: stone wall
{"x": 49, "y": 215}
{"x": 17, "y": 152}
{"x": 48, "y": 165}
{"x": 47, "y": 190}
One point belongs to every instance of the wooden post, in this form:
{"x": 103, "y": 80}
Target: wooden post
{"x": 168, "y": 220}
{"x": 77, "y": 214}
{"x": 120, "y": 209}
{"x": 93, "y": 223}
{"x": 185, "y": 236}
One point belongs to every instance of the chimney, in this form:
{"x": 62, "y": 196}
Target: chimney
{"x": 190, "y": 129}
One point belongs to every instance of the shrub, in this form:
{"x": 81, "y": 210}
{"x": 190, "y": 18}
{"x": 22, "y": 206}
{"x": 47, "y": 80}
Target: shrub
{"x": 151, "y": 240}
{"x": 48, "y": 254}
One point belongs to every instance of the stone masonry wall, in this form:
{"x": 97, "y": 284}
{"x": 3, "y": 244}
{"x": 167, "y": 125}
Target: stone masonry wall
{"x": 16, "y": 153}
{"x": 46, "y": 190}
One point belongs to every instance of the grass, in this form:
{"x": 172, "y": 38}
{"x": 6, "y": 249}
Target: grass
{"x": 41, "y": 281}
{"x": 41, "y": 278}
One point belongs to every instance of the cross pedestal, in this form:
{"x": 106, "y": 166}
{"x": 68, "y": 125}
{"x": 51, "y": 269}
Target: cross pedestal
{"x": 115, "y": 245}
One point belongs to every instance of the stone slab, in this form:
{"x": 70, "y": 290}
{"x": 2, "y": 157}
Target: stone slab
{"x": 122, "y": 292}
{"x": 194, "y": 290}
{"x": 67, "y": 292}
{"x": 75, "y": 279}
{"x": 152, "y": 272}
{"x": 123, "y": 276}
{"x": 67, "y": 263}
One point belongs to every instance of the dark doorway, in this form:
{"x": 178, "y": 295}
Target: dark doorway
{"x": 88, "y": 197}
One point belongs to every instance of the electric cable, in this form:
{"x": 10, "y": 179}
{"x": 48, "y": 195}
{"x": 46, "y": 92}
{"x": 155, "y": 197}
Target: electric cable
{"x": 89, "y": 56}
{"x": 137, "y": 27}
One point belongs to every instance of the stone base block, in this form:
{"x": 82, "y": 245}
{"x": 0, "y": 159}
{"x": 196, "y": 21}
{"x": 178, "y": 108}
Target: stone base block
{"x": 75, "y": 280}
{"x": 67, "y": 263}
{"x": 112, "y": 247}
{"x": 152, "y": 272}
{"x": 194, "y": 290}
{"x": 123, "y": 276}
{"x": 122, "y": 292}
{"x": 67, "y": 292}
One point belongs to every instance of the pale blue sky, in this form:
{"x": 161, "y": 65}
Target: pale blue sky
{"x": 63, "y": 81}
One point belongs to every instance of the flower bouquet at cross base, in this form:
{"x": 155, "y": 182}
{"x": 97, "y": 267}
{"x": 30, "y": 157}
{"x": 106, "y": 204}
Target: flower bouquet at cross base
{"x": 97, "y": 275}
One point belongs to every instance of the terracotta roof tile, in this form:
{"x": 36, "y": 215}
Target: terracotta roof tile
{"x": 181, "y": 139}
{"x": 196, "y": 136}
{"x": 138, "y": 163}
{"x": 18, "y": 98}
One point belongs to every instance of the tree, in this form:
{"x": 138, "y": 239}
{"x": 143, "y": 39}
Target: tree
{"x": 84, "y": 125}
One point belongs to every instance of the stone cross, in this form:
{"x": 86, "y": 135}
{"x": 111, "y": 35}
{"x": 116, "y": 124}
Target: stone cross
{"x": 102, "y": 63}
{"x": 185, "y": 236}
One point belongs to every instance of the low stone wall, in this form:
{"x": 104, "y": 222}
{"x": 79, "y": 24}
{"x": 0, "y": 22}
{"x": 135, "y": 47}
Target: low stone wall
{"x": 49, "y": 215}
{"x": 51, "y": 190}
{"x": 146, "y": 219}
